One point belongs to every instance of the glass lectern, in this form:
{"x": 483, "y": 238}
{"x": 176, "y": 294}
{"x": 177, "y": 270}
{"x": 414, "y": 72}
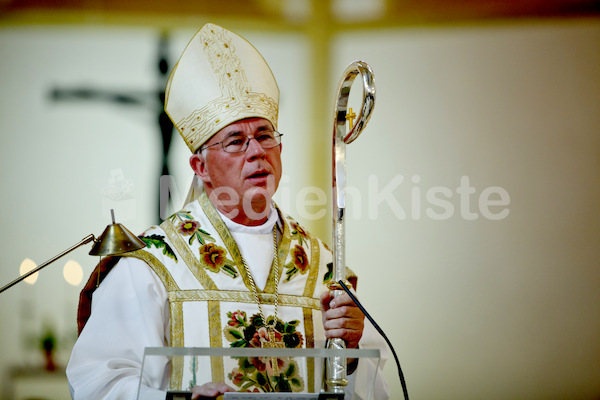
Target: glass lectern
{"x": 269, "y": 373}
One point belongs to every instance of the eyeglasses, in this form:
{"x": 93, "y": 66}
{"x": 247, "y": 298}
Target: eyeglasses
{"x": 239, "y": 143}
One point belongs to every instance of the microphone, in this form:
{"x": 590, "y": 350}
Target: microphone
{"x": 360, "y": 306}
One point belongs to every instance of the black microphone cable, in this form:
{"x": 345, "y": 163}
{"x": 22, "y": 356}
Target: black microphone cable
{"x": 360, "y": 306}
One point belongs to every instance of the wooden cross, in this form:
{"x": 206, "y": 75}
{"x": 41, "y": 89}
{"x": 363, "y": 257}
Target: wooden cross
{"x": 350, "y": 117}
{"x": 273, "y": 344}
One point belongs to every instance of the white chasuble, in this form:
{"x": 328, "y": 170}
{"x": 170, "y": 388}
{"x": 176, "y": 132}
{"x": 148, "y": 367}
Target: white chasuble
{"x": 212, "y": 303}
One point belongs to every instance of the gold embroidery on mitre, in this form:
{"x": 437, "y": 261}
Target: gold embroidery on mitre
{"x": 237, "y": 100}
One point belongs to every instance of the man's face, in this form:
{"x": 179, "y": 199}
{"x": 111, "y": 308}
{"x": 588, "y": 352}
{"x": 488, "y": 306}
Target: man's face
{"x": 251, "y": 176}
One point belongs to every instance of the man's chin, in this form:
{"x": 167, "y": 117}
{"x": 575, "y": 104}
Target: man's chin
{"x": 256, "y": 204}
{"x": 258, "y": 195}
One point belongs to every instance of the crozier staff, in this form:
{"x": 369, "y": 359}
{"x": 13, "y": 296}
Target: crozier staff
{"x": 230, "y": 269}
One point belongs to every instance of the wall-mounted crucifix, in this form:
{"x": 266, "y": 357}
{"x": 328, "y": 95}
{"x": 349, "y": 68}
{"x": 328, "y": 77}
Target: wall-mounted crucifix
{"x": 153, "y": 100}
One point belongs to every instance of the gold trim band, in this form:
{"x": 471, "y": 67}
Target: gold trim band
{"x": 243, "y": 297}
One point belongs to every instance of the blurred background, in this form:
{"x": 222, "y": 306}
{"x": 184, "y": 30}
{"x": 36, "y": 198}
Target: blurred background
{"x": 474, "y": 193}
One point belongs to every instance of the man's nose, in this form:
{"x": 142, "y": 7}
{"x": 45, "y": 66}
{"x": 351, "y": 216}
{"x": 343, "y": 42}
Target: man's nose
{"x": 254, "y": 148}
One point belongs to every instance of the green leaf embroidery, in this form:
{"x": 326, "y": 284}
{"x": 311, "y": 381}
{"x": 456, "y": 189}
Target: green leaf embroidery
{"x": 290, "y": 327}
{"x": 290, "y": 272}
{"x": 230, "y": 270}
{"x": 296, "y": 382}
{"x": 158, "y": 241}
{"x": 236, "y": 334}
{"x": 248, "y": 385}
{"x": 181, "y": 215}
{"x": 246, "y": 365}
{"x": 261, "y": 379}
{"x": 252, "y": 373}
{"x": 239, "y": 343}
{"x": 329, "y": 274}
{"x": 202, "y": 236}
{"x": 291, "y": 370}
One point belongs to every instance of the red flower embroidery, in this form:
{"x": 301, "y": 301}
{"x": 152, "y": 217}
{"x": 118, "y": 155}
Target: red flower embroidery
{"x": 255, "y": 374}
{"x": 212, "y": 257}
{"x": 298, "y": 232}
{"x": 258, "y": 363}
{"x": 297, "y": 229}
{"x": 260, "y": 336}
{"x": 300, "y": 259}
{"x": 188, "y": 227}
{"x": 236, "y": 376}
{"x": 237, "y": 318}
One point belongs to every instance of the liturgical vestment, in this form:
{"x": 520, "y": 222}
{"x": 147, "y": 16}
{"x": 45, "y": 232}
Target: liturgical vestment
{"x": 189, "y": 288}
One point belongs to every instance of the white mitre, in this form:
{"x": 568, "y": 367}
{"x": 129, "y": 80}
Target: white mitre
{"x": 219, "y": 79}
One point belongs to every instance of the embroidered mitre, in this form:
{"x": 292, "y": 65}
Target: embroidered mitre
{"x": 219, "y": 79}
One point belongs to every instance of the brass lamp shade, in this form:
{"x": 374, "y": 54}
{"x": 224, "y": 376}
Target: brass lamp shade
{"x": 116, "y": 239}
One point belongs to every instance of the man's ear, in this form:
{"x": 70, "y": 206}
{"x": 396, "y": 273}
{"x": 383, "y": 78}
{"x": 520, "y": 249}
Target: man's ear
{"x": 198, "y": 164}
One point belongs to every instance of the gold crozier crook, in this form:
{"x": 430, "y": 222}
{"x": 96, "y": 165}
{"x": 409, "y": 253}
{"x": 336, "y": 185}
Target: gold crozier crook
{"x": 335, "y": 367}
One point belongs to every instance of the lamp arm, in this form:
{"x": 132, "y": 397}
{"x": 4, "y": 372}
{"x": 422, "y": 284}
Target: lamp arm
{"x": 83, "y": 241}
